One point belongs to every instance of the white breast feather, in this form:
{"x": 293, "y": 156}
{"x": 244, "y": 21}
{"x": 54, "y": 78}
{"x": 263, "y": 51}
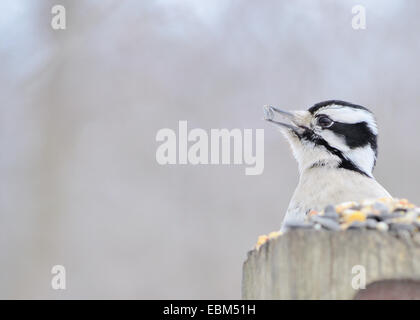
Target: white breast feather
{"x": 319, "y": 187}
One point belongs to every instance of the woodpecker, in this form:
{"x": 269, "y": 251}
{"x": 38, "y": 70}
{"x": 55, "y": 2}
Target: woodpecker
{"x": 335, "y": 145}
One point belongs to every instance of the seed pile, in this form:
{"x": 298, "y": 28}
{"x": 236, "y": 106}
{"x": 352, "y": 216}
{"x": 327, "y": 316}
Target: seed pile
{"x": 397, "y": 216}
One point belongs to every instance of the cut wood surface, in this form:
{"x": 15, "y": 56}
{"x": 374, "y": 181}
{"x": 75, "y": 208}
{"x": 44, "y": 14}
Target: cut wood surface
{"x": 309, "y": 264}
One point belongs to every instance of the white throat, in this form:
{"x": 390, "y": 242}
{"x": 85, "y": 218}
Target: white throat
{"x": 309, "y": 155}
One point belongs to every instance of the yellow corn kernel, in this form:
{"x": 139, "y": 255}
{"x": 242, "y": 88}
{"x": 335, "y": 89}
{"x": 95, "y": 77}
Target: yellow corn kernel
{"x": 354, "y": 216}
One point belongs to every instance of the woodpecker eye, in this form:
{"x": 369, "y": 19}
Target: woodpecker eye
{"x": 324, "y": 122}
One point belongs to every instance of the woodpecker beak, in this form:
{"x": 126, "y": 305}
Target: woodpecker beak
{"x": 294, "y": 117}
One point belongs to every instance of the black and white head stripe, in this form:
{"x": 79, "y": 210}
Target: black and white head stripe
{"x": 356, "y": 135}
{"x": 345, "y": 112}
{"x": 327, "y": 103}
{"x": 346, "y": 130}
{"x": 344, "y": 163}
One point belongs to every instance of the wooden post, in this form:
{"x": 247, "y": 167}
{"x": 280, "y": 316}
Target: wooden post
{"x": 310, "y": 264}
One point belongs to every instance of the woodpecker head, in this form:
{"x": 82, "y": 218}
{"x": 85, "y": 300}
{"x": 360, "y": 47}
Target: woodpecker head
{"x": 332, "y": 133}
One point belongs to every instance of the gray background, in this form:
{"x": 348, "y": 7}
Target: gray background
{"x": 80, "y": 108}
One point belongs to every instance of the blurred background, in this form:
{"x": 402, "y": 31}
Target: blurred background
{"x": 80, "y": 109}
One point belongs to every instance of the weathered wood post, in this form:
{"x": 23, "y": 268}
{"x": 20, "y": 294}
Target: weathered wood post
{"x": 311, "y": 264}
